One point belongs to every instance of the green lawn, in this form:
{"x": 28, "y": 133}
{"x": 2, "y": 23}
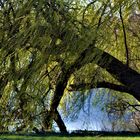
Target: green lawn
{"x": 4, "y": 137}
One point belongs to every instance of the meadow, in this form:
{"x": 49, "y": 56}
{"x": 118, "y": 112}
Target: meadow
{"x": 16, "y": 137}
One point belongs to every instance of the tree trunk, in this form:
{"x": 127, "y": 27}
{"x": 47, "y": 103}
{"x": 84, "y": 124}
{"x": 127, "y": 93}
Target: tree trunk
{"x": 59, "y": 91}
{"x": 125, "y": 75}
{"x": 60, "y": 122}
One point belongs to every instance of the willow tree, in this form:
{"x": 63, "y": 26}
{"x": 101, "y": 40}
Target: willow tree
{"x": 49, "y": 48}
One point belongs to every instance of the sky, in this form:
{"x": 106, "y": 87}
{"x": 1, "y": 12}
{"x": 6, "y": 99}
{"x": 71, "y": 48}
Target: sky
{"x": 93, "y": 119}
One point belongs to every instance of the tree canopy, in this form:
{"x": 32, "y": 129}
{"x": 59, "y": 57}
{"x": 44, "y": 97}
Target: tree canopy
{"x": 50, "y": 48}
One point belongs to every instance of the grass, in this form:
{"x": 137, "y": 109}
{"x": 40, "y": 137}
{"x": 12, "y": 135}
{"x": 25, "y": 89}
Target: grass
{"x": 16, "y": 137}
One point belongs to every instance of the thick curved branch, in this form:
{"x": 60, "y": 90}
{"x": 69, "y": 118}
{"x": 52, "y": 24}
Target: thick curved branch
{"x": 121, "y": 72}
{"x": 84, "y": 86}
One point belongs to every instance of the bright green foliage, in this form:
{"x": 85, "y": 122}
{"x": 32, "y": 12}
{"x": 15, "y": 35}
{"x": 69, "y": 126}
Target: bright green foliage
{"x": 41, "y": 41}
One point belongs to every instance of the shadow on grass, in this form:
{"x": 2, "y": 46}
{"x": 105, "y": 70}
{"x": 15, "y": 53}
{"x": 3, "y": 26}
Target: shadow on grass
{"x": 54, "y": 135}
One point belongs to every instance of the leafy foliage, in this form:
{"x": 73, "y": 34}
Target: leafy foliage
{"x": 45, "y": 47}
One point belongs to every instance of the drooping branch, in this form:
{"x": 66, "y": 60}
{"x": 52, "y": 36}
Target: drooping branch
{"x": 125, "y": 38}
{"x": 3, "y": 83}
{"x": 134, "y": 106}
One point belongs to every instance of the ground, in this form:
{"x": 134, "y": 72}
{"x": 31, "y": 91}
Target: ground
{"x": 16, "y": 137}
{"x": 75, "y": 135}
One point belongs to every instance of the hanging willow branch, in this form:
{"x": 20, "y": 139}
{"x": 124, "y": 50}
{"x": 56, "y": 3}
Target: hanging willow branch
{"x": 125, "y": 38}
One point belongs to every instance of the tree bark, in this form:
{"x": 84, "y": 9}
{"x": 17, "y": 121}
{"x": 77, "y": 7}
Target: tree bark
{"x": 59, "y": 91}
{"x": 60, "y": 122}
{"x": 121, "y": 72}
{"x": 125, "y": 75}
{"x": 103, "y": 84}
